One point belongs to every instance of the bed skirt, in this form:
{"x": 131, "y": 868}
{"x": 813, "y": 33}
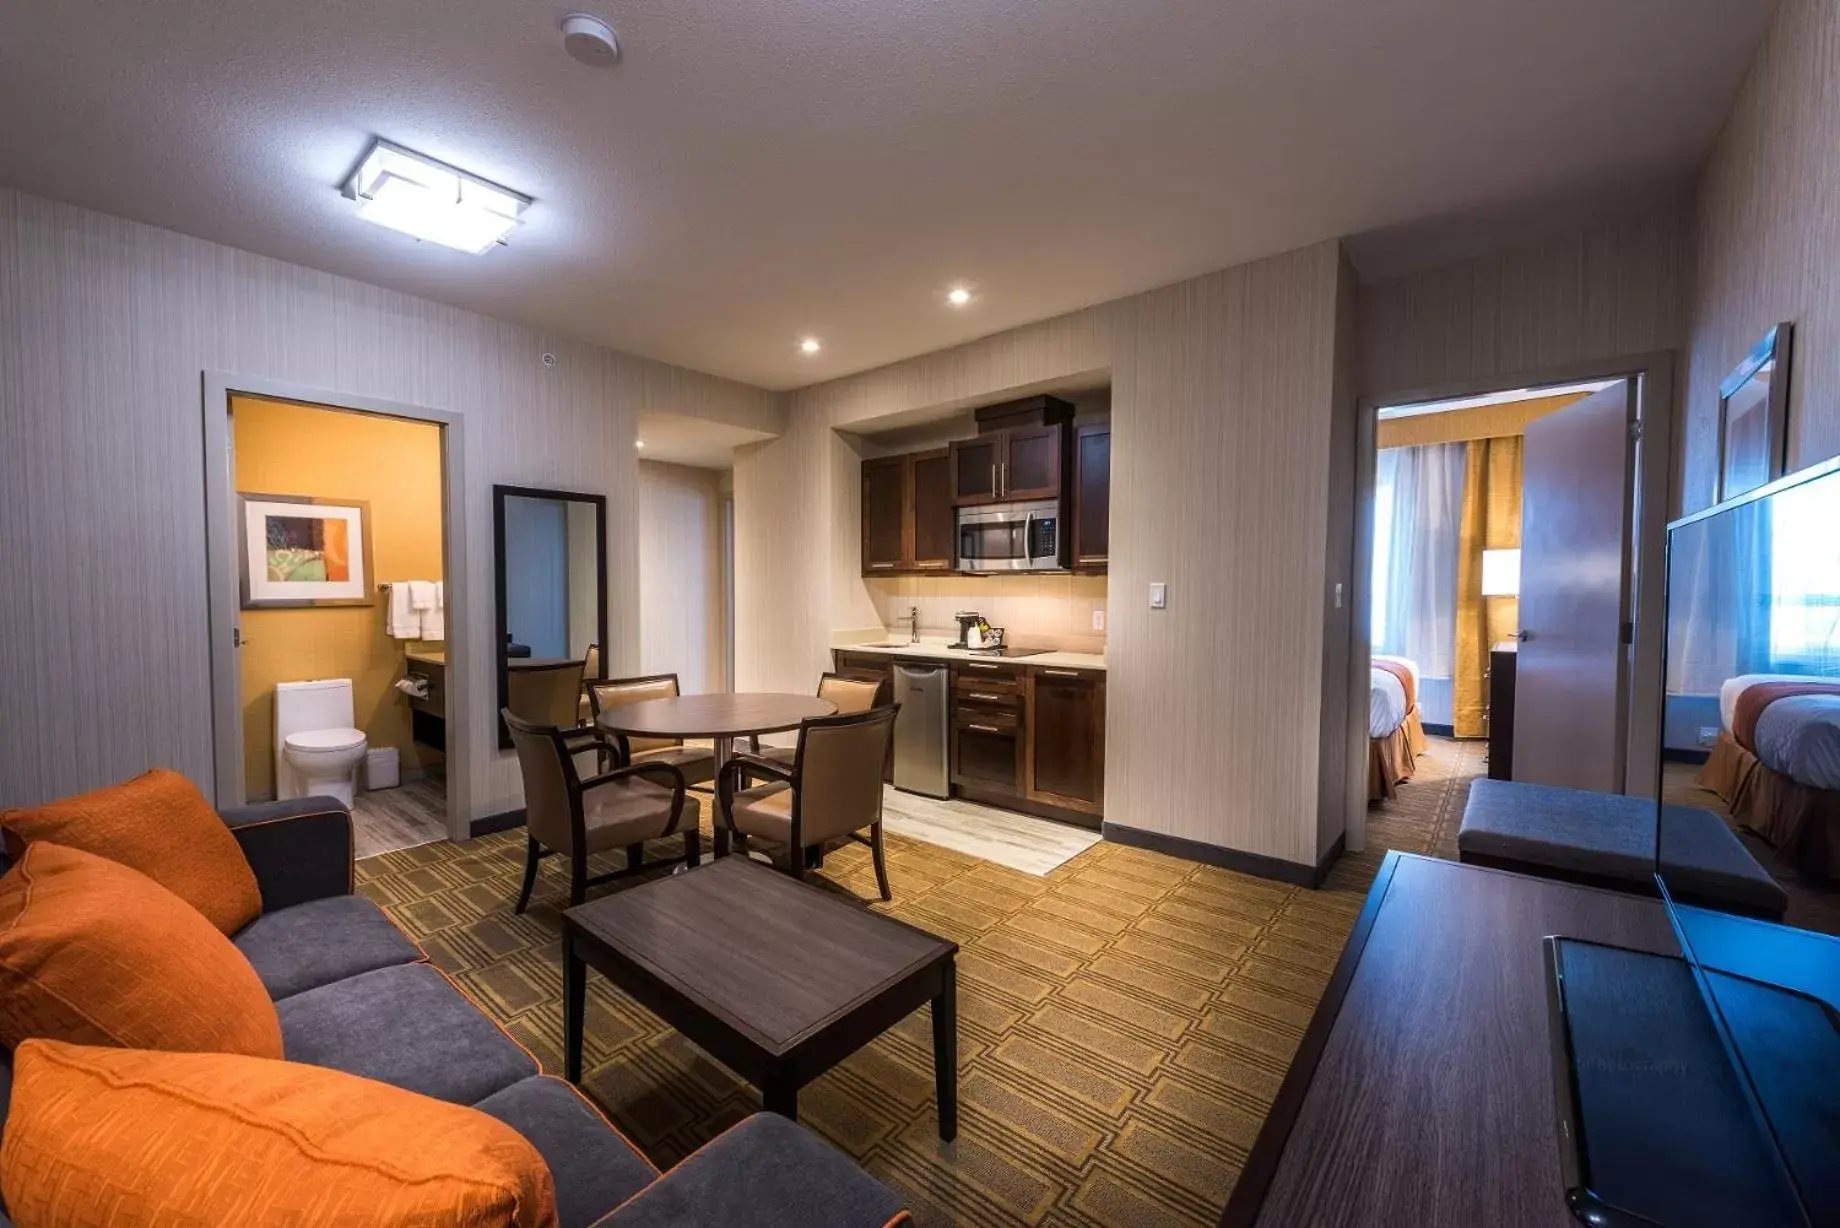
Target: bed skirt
{"x": 1390, "y": 760}
{"x": 1801, "y": 823}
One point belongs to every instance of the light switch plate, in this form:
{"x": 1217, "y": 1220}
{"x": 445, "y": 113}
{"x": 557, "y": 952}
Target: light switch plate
{"x": 1098, "y": 620}
{"x": 1159, "y": 596}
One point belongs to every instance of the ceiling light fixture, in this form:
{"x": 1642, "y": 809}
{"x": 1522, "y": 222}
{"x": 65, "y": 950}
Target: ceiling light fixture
{"x": 431, "y": 200}
{"x": 590, "y": 40}
{"x": 958, "y": 296}
{"x": 809, "y": 346}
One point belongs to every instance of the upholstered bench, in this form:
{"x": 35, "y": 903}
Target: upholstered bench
{"x": 1608, "y": 840}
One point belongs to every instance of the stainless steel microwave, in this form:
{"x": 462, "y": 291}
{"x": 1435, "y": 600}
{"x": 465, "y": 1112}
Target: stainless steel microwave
{"x": 1012, "y": 537}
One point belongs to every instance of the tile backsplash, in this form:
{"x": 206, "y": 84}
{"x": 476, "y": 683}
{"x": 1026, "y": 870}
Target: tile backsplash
{"x": 1034, "y": 611}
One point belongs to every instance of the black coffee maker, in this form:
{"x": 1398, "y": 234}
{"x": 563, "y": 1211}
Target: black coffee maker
{"x": 975, "y": 633}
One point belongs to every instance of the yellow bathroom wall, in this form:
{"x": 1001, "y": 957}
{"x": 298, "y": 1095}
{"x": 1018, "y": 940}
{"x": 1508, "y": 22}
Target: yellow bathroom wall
{"x": 395, "y": 467}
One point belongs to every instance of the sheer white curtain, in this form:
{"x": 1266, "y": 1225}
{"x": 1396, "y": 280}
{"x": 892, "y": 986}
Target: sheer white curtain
{"x": 1418, "y": 515}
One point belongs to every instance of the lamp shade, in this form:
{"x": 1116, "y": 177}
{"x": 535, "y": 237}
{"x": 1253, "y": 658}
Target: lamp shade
{"x": 1501, "y": 573}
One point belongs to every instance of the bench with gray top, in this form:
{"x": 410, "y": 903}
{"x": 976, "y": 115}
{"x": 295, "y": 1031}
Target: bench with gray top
{"x": 1608, "y": 840}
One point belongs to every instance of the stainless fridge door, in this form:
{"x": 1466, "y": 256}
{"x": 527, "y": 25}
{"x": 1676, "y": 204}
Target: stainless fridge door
{"x": 920, "y": 748}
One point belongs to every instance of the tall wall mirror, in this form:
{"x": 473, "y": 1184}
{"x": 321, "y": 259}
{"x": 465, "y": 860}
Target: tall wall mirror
{"x": 552, "y": 601}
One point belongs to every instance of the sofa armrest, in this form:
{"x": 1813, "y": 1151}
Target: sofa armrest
{"x": 300, "y": 849}
{"x": 767, "y": 1172}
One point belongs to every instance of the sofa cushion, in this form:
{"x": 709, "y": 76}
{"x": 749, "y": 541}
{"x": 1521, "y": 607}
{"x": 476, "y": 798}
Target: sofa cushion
{"x": 766, "y": 1172}
{"x": 160, "y": 824}
{"x": 322, "y": 941}
{"x": 595, "y": 1168}
{"x": 1609, "y": 836}
{"x": 96, "y": 953}
{"x": 406, "y": 1026}
{"x": 133, "y": 1139}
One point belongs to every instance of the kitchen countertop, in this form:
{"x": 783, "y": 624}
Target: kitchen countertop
{"x": 928, "y": 650}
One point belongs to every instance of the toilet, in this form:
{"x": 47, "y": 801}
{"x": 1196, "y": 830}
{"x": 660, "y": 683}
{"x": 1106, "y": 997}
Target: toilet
{"x": 318, "y": 749}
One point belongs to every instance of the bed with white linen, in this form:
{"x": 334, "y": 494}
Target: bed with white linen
{"x": 1395, "y": 732}
{"x": 1776, "y": 763}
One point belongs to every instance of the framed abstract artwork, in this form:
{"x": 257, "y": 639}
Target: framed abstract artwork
{"x": 301, "y": 552}
{"x": 1754, "y": 417}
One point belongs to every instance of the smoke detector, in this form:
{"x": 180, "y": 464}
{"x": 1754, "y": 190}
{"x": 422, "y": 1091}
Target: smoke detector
{"x": 589, "y": 39}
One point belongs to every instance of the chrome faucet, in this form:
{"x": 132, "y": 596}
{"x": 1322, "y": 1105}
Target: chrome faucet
{"x": 913, "y": 624}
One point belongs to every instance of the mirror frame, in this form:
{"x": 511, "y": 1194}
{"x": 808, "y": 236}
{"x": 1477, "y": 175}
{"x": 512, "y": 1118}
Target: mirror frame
{"x": 500, "y": 619}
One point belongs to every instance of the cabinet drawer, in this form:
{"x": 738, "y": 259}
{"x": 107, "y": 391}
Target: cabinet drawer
{"x": 988, "y": 690}
{"x": 987, "y": 720}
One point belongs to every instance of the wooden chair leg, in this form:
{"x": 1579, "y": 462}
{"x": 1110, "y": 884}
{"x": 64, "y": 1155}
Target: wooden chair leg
{"x": 881, "y": 861}
{"x": 693, "y": 848}
{"x": 578, "y": 880}
{"x": 635, "y": 856}
{"x": 532, "y": 850}
{"x": 795, "y": 861}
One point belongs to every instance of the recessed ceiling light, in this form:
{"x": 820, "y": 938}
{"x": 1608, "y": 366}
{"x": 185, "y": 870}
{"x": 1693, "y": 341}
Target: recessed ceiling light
{"x": 809, "y": 346}
{"x": 958, "y": 296}
{"x": 431, "y": 200}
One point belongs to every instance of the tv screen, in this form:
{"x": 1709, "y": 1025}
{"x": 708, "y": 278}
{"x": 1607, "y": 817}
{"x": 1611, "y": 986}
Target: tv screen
{"x": 1751, "y": 729}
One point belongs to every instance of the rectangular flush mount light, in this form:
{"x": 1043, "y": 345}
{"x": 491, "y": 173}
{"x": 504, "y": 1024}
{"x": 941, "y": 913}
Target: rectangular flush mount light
{"x": 433, "y": 201}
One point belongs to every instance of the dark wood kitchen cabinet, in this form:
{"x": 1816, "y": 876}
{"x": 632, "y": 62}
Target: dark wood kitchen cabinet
{"x": 885, "y": 500}
{"x": 1009, "y": 466}
{"x": 989, "y": 730}
{"x": 907, "y": 519}
{"x": 1092, "y": 497}
{"x": 1065, "y": 744}
{"x": 974, "y": 467}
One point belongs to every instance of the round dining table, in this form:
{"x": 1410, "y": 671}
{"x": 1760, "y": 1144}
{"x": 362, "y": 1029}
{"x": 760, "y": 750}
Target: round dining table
{"x": 719, "y": 717}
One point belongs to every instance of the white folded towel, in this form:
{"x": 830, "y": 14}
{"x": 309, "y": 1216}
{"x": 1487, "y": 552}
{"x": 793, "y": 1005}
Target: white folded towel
{"x": 402, "y": 622}
{"x": 431, "y": 600}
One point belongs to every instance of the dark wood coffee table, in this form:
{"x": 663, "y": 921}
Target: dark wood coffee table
{"x": 777, "y": 980}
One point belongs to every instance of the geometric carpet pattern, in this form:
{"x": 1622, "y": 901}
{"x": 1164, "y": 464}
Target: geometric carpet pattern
{"x": 1124, "y": 1022}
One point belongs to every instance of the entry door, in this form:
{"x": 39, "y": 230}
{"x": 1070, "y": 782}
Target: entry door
{"x": 1571, "y": 681}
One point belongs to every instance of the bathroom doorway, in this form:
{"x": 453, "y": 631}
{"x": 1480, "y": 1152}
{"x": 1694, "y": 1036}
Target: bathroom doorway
{"x": 332, "y": 611}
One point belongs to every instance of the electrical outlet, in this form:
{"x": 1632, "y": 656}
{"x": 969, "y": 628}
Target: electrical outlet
{"x": 1098, "y": 620}
{"x": 1159, "y": 596}
{"x": 1708, "y": 735}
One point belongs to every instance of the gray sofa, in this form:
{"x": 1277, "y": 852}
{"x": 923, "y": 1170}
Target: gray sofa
{"x": 355, "y": 994}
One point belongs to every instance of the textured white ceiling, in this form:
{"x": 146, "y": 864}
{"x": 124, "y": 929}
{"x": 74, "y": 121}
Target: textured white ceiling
{"x": 682, "y": 440}
{"x": 757, "y": 170}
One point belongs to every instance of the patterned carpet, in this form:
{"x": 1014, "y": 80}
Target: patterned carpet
{"x": 1124, "y": 1022}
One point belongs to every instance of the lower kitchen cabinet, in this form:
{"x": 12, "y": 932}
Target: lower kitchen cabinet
{"x": 987, "y": 751}
{"x": 1065, "y": 748}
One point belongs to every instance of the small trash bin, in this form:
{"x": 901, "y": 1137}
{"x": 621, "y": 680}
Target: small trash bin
{"x": 383, "y": 768}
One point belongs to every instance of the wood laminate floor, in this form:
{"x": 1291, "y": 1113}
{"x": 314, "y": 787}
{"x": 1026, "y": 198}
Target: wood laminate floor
{"x": 1019, "y": 841}
{"x": 415, "y": 812}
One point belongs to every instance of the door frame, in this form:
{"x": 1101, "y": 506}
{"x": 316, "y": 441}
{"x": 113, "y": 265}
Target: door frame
{"x": 222, "y": 583}
{"x": 1652, "y": 492}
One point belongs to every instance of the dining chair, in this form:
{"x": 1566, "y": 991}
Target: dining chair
{"x": 697, "y": 763}
{"x": 590, "y": 668}
{"x": 849, "y": 694}
{"x": 545, "y": 694}
{"x": 831, "y": 790}
{"x": 578, "y": 818}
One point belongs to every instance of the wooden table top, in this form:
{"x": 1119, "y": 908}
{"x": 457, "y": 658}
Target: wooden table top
{"x": 714, "y": 716}
{"x": 773, "y": 959}
{"x": 1422, "y": 1093}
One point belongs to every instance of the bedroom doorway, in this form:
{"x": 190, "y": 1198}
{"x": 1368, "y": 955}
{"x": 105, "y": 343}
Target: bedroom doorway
{"x": 1504, "y": 586}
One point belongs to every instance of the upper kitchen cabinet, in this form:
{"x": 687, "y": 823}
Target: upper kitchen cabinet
{"x": 1032, "y": 462}
{"x": 1092, "y": 497}
{"x": 930, "y": 481}
{"x": 975, "y": 465}
{"x": 907, "y": 513}
{"x": 886, "y": 497}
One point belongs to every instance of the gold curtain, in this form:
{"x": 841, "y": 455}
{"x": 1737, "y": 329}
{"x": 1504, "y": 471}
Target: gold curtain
{"x": 1491, "y": 521}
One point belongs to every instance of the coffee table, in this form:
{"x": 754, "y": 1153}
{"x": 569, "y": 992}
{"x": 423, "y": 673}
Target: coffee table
{"x": 777, "y": 980}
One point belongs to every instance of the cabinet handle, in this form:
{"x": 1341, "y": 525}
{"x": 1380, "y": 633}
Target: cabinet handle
{"x": 980, "y": 665}
{"x": 993, "y": 698}
{"x": 880, "y": 566}
{"x": 994, "y": 488}
{"x": 1005, "y": 477}
{"x": 1060, "y": 673}
{"x": 984, "y": 728}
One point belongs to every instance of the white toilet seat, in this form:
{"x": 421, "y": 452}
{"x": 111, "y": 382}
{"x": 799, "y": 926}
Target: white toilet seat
{"x": 325, "y": 741}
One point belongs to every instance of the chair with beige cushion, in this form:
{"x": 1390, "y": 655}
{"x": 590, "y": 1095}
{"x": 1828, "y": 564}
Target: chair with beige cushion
{"x": 697, "y": 763}
{"x": 849, "y": 694}
{"x": 832, "y": 790}
{"x": 620, "y": 808}
{"x": 591, "y": 669}
{"x": 544, "y": 694}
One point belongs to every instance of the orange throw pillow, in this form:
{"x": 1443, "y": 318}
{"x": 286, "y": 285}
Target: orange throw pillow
{"x": 160, "y": 824}
{"x": 175, "y": 1140}
{"x": 98, "y": 954}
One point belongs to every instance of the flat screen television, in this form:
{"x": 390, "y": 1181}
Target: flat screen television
{"x": 1702, "y": 1086}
